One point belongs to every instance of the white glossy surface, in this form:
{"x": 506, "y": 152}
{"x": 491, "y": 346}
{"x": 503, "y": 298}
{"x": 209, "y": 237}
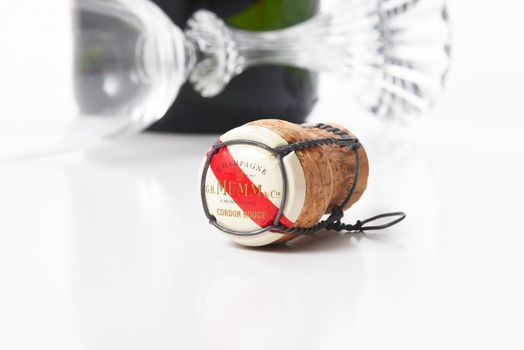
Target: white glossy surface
{"x": 110, "y": 249}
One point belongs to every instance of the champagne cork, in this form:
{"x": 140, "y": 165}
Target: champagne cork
{"x": 243, "y": 185}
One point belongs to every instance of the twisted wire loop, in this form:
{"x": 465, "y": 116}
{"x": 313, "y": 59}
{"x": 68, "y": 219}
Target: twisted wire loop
{"x": 332, "y": 222}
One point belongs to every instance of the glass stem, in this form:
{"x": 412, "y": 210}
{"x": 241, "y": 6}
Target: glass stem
{"x": 221, "y": 52}
{"x": 311, "y": 45}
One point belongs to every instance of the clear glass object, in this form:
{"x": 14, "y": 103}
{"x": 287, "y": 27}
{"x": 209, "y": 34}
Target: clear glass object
{"x": 110, "y": 68}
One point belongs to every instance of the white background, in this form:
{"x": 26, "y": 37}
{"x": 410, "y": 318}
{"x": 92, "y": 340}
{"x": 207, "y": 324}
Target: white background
{"x": 110, "y": 249}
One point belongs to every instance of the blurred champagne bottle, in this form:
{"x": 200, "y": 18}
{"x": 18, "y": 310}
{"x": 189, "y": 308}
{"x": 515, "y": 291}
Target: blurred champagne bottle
{"x": 259, "y": 92}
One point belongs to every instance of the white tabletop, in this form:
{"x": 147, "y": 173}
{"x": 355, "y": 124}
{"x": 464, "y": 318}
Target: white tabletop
{"x": 110, "y": 249}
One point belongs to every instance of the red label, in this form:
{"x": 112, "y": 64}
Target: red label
{"x": 248, "y": 196}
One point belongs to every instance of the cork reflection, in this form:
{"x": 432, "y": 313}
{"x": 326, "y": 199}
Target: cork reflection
{"x": 246, "y": 297}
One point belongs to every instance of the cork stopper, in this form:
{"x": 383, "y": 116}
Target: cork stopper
{"x": 243, "y": 188}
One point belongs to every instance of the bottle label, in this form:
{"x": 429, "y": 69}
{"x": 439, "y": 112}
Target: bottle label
{"x": 243, "y": 186}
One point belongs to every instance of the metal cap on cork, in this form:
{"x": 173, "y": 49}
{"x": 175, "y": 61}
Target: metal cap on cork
{"x": 243, "y": 185}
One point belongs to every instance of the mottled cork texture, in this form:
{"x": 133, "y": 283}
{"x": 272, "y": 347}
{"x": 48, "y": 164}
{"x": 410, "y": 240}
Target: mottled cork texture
{"x": 330, "y": 171}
